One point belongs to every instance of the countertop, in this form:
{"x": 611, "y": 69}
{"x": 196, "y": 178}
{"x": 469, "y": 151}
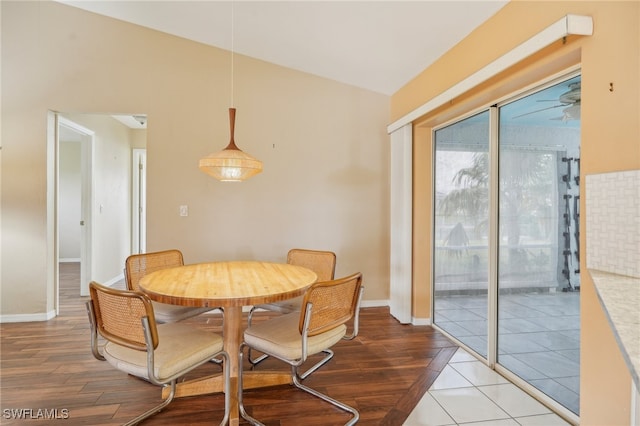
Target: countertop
{"x": 620, "y": 297}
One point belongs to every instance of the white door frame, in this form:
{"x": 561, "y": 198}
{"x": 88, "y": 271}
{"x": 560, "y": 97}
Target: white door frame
{"x": 86, "y": 217}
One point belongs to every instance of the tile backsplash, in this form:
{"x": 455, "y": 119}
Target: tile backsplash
{"x": 613, "y": 222}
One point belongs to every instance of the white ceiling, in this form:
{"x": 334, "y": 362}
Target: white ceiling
{"x": 376, "y": 45}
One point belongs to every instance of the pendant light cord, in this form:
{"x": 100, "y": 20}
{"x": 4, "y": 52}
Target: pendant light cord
{"x": 232, "y": 50}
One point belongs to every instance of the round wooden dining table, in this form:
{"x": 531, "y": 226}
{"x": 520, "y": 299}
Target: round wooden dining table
{"x": 230, "y": 285}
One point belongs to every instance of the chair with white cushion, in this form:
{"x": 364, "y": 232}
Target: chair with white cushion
{"x": 137, "y": 345}
{"x": 323, "y": 263}
{"x": 293, "y": 337}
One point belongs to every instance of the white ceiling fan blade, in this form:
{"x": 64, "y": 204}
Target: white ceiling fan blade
{"x": 539, "y": 110}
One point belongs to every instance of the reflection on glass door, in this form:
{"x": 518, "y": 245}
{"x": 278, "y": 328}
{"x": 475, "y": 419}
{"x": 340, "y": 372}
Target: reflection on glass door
{"x": 511, "y": 292}
{"x": 538, "y": 254}
{"x": 461, "y": 250}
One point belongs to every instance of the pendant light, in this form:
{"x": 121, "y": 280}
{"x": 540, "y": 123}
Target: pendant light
{"x": 231, "y": 164}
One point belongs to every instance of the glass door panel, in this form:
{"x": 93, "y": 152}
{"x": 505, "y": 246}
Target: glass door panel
{"x": 461, "y": 250}
{"x": 538, "y": 254}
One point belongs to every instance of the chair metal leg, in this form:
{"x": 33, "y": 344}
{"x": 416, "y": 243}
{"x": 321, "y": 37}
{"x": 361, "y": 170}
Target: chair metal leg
{"x": 258, "y": 360}
{"x": 297, "y": 383}
{"x": 243, "y": 412}
{"x": 327, "y": 398}
{"x": 323, "y": 361}
{"x": 155, "y": 409}
{"x": 167, "y": 401}
{"x": 328, "y": 355}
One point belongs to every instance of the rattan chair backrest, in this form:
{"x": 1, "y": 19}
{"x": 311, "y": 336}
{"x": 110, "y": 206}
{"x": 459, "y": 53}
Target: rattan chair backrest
{"x": 119, "y": 313}
{"x": 139, "y": 265}
{"x": 323, "y": 263}
{"x": 333, "y": 303}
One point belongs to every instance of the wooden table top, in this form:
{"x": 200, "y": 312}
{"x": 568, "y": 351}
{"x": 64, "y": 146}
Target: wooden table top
{"x": 227, "y": 284}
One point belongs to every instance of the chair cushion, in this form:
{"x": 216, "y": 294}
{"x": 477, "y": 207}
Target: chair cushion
{"x": 165, "y": 312}
{"x": 284, "y": 306}
{"x": 181, "y": 347}
{"x": 280, "y": 337}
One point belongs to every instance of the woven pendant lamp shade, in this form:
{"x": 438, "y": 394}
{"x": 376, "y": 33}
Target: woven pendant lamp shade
{"x": 231, "y": 164}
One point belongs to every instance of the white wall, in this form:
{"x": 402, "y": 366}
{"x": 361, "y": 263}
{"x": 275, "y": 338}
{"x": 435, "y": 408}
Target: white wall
{"x": 69, "y": 201}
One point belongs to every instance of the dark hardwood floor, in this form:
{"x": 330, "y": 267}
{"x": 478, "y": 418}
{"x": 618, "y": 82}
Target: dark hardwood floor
{"x": 49, "y": 366}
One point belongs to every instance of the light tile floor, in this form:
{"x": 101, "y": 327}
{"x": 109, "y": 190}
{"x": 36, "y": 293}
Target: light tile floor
{"x": 538, "y": 337}
{"x": 469, "y": 392}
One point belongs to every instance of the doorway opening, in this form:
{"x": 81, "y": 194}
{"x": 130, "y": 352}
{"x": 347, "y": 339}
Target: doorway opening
{"x": 75, "y": 201}
{"x": 92, "y": 197}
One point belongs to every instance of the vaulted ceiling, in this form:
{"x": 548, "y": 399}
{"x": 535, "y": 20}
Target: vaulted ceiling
{"x": 376, "y": 45}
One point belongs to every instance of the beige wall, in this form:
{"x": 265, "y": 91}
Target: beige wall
{"x": 324, "y": 147}
{"x": 610, "y": 142}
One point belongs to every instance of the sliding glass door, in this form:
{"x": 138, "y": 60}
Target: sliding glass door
{"x": 510, "y": 291}
{"x": 538, "y": 254}
{"x": 461, "y": 249}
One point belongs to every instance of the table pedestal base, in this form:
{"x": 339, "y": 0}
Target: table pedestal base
{"x": 232, "y": 334}
{"x": 215, "y": 384}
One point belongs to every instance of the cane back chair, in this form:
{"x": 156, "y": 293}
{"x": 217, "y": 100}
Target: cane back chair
{"x": 323, "y": 263}
{"x": 292, "y": 337}
{"x": 137, "y": 345}
{"x": 139, "y": 265}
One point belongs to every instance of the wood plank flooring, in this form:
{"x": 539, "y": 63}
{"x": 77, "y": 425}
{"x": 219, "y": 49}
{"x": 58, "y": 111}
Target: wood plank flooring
{"x": 49, "y": 366}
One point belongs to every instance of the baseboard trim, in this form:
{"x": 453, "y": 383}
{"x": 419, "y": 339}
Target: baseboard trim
{"x": 113, "y": 280}
{"x": 374, "y": 303}
{"x": 420, "y": 321}
{"x": 27, "y": 317}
